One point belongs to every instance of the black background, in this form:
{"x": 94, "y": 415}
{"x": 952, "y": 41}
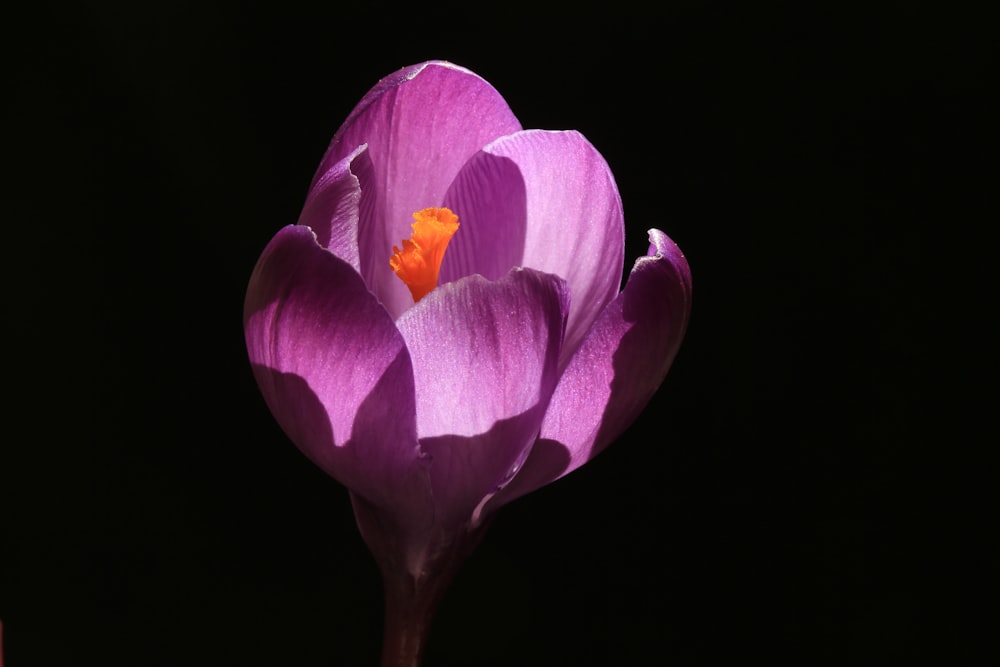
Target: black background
{"x": 798, "y": 492}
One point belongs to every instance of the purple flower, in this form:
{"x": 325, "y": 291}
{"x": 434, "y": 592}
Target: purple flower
{"x": 522, "y": 364}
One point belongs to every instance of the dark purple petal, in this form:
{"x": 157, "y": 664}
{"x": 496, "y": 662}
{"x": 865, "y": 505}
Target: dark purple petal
{"x": 421, "y": 125}
{"x": 616, "y": 370}
{"x": 565, "y": 204}
{"x": 485, "y": 358}
{"x": 335, "y": 372}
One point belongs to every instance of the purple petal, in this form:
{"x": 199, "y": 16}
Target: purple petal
{"x": 572, "y": 225}
{"x": 332, "y": 206}
{"x": 490, "y": 199}
{"x": 485, "y": 358}
{"x": 615, "y": 371}
{"x": 421, "y": 125}
{"x": 335, "y": 372}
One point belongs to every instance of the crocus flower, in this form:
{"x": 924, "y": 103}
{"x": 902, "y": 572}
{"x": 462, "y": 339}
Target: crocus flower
{"x": 443, "y": 332}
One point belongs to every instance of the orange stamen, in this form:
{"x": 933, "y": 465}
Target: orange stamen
{"x": 419, "y": 262}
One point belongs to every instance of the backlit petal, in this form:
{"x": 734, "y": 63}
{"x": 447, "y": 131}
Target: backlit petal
{"x": 573, "y": 222}
{"x": 334, "y": 371}
{"x": 421, "y": 124}
{"x": 485, "y": 360}
{"x": 490, "y": 199}
{"x": 616, "y": 370}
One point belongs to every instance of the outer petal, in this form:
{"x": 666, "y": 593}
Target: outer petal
{"x": 572, "y": 225}
{"x": 485, "y": 358}
{"x": 445, "y": 113}
{"x": 335, "y": 372}
{"x": 615, "y": 371}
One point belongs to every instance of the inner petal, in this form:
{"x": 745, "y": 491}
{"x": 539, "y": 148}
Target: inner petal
{"x": 421, "y": 125}
{"x": 490, "y": 195}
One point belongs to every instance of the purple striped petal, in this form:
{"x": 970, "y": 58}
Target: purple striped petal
{"x": 616, "y": 370}
{"x": 556, "y": 190}
{"x": 485, "y": 357}
{"x": 420, "y": 125}
{"x": 335, "y": 372}
{"x": 491, "y": 202}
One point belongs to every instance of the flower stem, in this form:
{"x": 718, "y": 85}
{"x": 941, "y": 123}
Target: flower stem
{"x": 409, "y": 609}
{"x": 417, "y": 568}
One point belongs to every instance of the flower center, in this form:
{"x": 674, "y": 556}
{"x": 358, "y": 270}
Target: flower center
{"x": 419, "y": 262}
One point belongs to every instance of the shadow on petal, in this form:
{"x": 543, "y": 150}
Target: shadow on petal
{"x": 375, "y": 462}
{"x": 616, "y": 371}
{"x": 548, "y": 459}
{"x": 647, "y": 350}
{"x": 467, "y": 471}
{"x": 299, "y": 413}
{"x": 490, "y": 199}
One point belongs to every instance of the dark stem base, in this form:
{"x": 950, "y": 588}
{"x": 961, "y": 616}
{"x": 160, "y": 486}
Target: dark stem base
{"x": 416, "y": 572}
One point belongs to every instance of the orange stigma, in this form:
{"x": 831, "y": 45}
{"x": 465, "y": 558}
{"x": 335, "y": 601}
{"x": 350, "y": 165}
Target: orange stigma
{"x": 419, "y": 262}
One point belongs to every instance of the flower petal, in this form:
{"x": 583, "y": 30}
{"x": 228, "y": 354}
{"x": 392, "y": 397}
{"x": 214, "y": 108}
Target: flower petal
{"x": 485, "y": 358}
{"x": 334, "y": 371}
{"x": 332, "y": 206}
{"x": 490, "y": 199}
{"x": 430, "y": 105}
{"x": 573, "y": 215}
{"x": 616, "y": 370}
